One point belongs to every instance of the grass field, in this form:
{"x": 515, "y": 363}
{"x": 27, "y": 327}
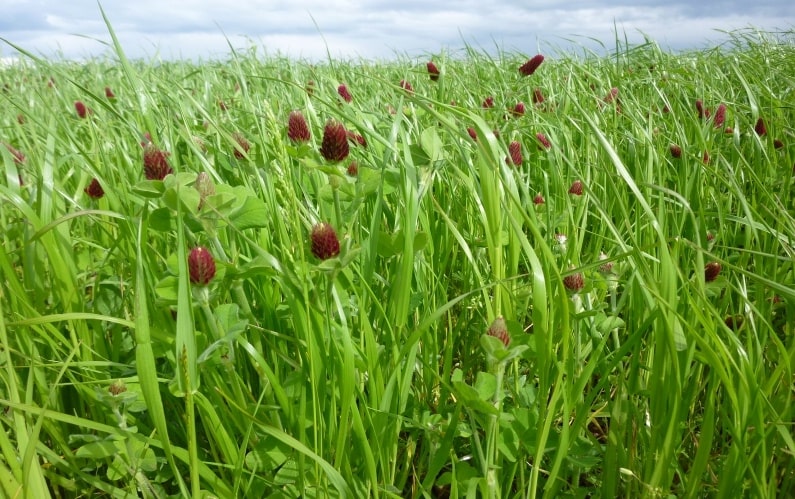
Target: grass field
{"x": 223, "y": 279}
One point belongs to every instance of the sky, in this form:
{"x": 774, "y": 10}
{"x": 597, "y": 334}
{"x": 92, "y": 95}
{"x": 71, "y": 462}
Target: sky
{"x": 372, "y": 29}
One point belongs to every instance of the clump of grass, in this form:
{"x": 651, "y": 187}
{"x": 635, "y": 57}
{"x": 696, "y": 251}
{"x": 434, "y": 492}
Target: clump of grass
{"x": 593, "y": 313}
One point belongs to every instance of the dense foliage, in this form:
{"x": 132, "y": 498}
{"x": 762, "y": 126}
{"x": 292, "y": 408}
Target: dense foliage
{"x": 441, "y": 278}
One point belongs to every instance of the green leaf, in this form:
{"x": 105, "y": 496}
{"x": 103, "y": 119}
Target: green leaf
{"x": 166, "y": 289}
{"x": 680, "y": 342}
{"x": 469, "y": 396}
{"x": 160, "y": 220}
{"x": 486, "y": 385}
{"x": 269, "y": 455}
{"x": 99, "y": 450}
{"x": 432, "y": 144}
{"x": 149, "y": 188}
{"x": 605, "y": 324}
{"x": 252, "y": 214}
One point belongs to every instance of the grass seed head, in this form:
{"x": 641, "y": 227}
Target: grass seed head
{"x": 529, "y": 67}
{"x": 335, "y": 142}
{"x": 325, "y": 243}
{"x": 201, "y": 266}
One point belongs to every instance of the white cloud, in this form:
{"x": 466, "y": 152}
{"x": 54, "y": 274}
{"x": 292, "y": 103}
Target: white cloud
{"x": 370, "y": 28}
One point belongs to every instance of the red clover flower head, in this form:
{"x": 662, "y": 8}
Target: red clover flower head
{"x": 711, "y": 271}
{"x": 297, "y": 129}
{"x": 242, "y": 146}
{"x": 94, "y": 189}
{"x": 109, "y": 93}
{"x": 156, "y": 165}
{"x": 574, "y": 282}
{"x": 576, "y": 188}
{"x": 406, "y": 86}
{"x": 675, "y": 150}
{"x": 81, "y": 109}
{"x": 543, "y": 140}
{"x": 760, "y": 127}
{"x": 538, "y": 97}
{"x": 720, "y": 116}
{"x": 499, "y": 330}
{"x": 515, "y": 154}
{"x": 529, "y": 67}
{"x": 518, "y": 109}
{"x": 325, "y": 243}
{"x": 433, "y": 71}
{"x": 538, "y": 199}
{"x": 607, "y": 266}
{"x": 356, "y": 138}
{"x": 201, "y": 266}
{"x": 19, "y": 156}
{"x": 700, "y": 108}
{"x": 335, "y": 142}
{"x": 205, "y": 186}
{"x": 488, "y": 103}
{"x": 344, "y": 93}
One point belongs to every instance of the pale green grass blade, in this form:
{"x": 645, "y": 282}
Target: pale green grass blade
{"x": 144, "y": 354}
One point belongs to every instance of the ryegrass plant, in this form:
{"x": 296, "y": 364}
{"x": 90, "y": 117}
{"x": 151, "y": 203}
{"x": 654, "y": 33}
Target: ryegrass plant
{"x": 603, "y": 319}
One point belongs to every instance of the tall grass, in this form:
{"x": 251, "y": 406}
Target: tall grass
{"x": 626, "y": 370}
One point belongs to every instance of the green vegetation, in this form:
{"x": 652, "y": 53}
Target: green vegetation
{"x": 604, "y": 319}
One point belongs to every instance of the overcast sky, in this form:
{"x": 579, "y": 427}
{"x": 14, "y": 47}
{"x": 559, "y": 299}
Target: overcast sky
{"x": 372, "y": 29}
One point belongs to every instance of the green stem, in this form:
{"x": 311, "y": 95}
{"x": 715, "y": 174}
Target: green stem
{"x": 337, "y": 208}
{"x": 492, "y": 452}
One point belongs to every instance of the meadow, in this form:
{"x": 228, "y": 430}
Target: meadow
{"x": 521, "y": 275}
